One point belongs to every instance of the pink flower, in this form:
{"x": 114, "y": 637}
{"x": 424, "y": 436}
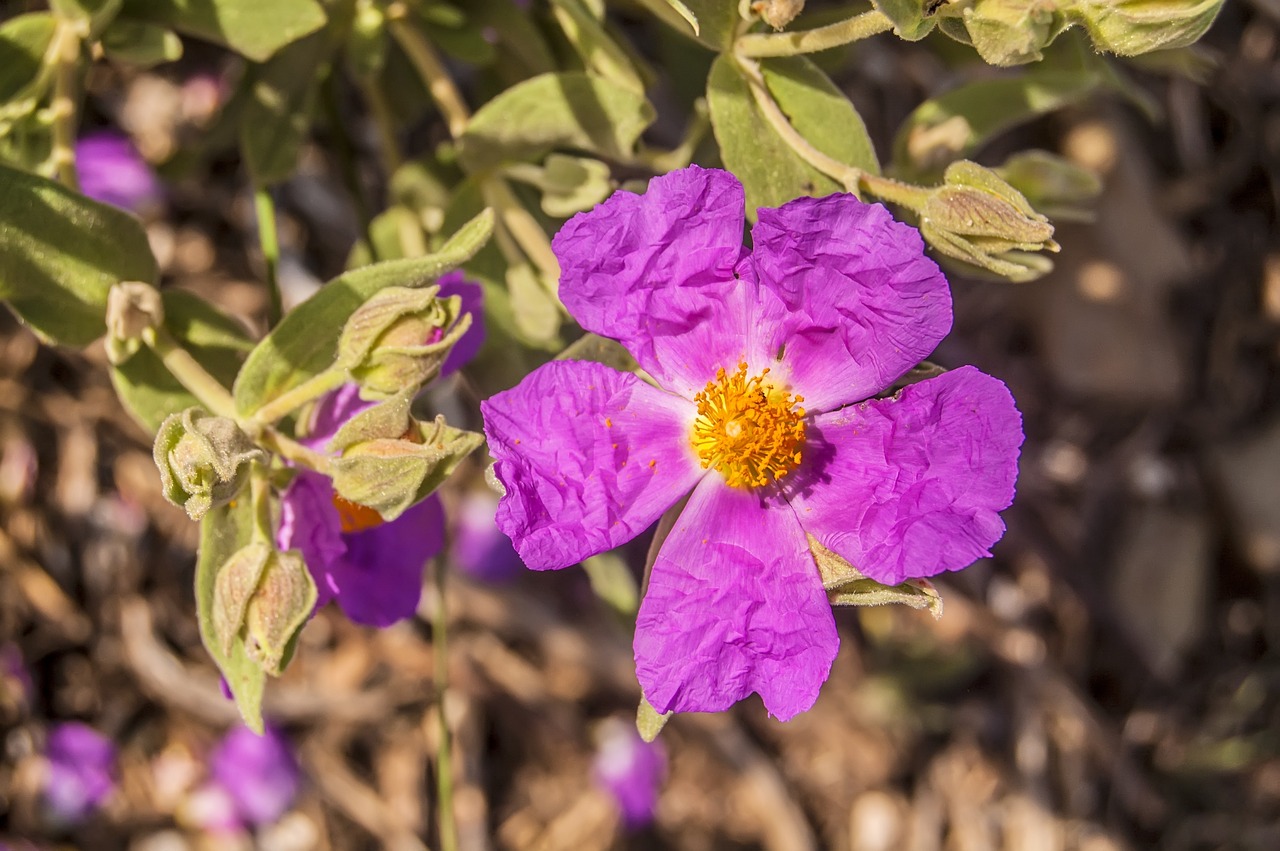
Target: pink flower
{"x": 766, "y": 361}
{"x": 631, "y": 770}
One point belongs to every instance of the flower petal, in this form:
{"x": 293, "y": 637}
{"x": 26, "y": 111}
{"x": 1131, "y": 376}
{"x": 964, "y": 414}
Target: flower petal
{"x": 309, "y": 522}
{"x": 379, "y": 579}
{"x": 863, "y": 304}
{"x": 734, "y": 605}
{"x": 472, "y": 302}
{"x": 912, "y": 485}
{"x": 589, "y": 457}
{"x": 656, "y": 272}
{"x": 332, "y": 411}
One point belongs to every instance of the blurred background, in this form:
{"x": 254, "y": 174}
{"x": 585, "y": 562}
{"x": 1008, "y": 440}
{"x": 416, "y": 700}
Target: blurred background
{"x": 1109, "y": 680}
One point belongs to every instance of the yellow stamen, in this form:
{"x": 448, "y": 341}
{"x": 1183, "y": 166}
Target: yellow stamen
{"x": 748, "y": 429}
{"x": 354, "y": 516}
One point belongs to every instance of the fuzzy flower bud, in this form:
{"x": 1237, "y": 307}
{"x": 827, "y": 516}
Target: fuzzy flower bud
{"x": 132, "y": 309}
{"x": 978, "y": 218}
{"x": 1133, "y": 27}
{"x": 777, "y": 13}
{"x": 399, "y": 338}
{"x": 263, "y": 597}
{"x": 388, "y": 461}
{"x": 203, "y": 460}
{"x": 1013, "y": 32}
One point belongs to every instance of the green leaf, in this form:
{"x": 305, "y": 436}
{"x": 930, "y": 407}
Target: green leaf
{"x": 218, "y": 342}
{"x": 24, "y": 41}
{"x": 305, "y": 342}
{"x": 141, "y": 44}
{"x": 911, "y": 19}
{"x": 96, "y": 13}
{"x": 848, "y": 586}
{"x": 715, "y": 20}
{"x": 599, "y": 52}
{"x": 649, "y": 722}
{"x": 555, "y": 111}
{"x": 224, "y": 532}
{"x": 612, "y": 581}
{"x": 770, "y": 170}
{"x": 61, "y": 253}
{"x": 253, "y": 28}
{"x": 951, "y": 126}
{"x": 278, "y": 111}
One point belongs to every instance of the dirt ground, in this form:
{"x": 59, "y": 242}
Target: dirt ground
{"x": 1109, "y": 680}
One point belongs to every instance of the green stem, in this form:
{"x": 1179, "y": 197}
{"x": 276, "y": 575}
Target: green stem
{"x": 62, "y": 109}
{"x": 289, "y": 401}
{"x": 522, "y": 226}
{"x": 291, "y": 450}
{"x": 346, "y": 158}
{"x": 380, "y": 110}
{"x": 811, "y": 41}
{"x": 428, "y": 65}
{"x": 207, "y": 390}
{"x": 260, "y": 494}
{"x": 444, "y": 757}
{"x": 852, "y": 178}
{"x": 266, "y": 210}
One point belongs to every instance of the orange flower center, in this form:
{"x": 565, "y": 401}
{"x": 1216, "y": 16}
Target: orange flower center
{"x": 354, "y": 516}
{"x": 748, "y": 429}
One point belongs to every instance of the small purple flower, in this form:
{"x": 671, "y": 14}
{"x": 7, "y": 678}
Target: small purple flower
{"x": 372, "y": 568}
{"x": 111, "y": 170}
{"x": 766, "y": 361}
{"x": 81, "y": 771}
{"x": 258, "y": 773}
{"x": 631, "y": 770}
{"x": 480, "y": 550}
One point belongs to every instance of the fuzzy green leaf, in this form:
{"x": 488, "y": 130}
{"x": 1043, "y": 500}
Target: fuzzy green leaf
{"x": 253, "y": 28}
{"x": 24, "y": 41}
{"x": 60, "y": 255}
{"x": 141, "y": 44}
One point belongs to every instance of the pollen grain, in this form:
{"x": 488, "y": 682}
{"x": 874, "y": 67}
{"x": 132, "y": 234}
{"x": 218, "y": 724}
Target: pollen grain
{"x": 748, "y": 429}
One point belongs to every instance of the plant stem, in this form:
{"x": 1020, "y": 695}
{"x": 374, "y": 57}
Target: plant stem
{"x": 289, "y": 401}
{"x": 423, "y": 56}
{"x": 811, "y": 41}
{"x": 266, "y": 211}
{"x": 522, "y": 226}
{"x": 291, "y": 450}
{"x": 260, "y": 496}
{"x": 444, "y": 756}
{"x": 852, "y": 178}
{"x": 210, "y": 393}
{"x": 380, "y": 110}
{"x": 62, "y": 109}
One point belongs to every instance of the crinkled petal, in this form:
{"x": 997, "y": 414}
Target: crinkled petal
{"x": 735, "y": 605}
{"x": 589, "y": 457}
{"x": 913, "y": 484}
{"x": 309, "y": 522}
{"x": 379, "y": 579}
{"x": 862, "y": 302}
{"x": 472, "y": 296}
{"x": 656, "y": 272}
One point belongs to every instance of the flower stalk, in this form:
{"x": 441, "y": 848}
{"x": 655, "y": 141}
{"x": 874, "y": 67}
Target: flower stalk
{"x": 207, "y": 389}
{"x": 62, "y": 109}
{"x": 266, "y": 212}
{"x": 289, "y": 401}
{"x": 759, "y": 45}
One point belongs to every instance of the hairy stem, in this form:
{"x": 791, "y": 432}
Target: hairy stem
{"x": 423, "y": 56}
{"x": 266, "y": 211}
{"x": 62, "y": 109}
{"x": 207, "y": 389}
{"x": 291, "y": 450}
{"x": 811, "y": 41}
{"x": 289, "y": 401}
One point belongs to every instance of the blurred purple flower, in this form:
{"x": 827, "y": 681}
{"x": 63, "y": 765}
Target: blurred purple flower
{"x": 631, "y": 770}
{"x": 831, "y": 305}
{"x": 373, "y": 568}
{"x": 15, "y": 680}
{"x": 259, "y": 775}
{"x": 112, "y": 171}
{"x": 81, "y": 771}
{"x": 480, "y": 550}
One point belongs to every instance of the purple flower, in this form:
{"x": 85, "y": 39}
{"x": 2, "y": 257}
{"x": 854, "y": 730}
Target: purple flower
{"x": 258, "y": 773}
{"x": 81, "y": 771}
{"x": 111, "y": 171}
{"x": 631, "y": 770}
{"x": 480, "y": 550}
{"x": 766, "y": 360}
{"x": 373, "y": 568}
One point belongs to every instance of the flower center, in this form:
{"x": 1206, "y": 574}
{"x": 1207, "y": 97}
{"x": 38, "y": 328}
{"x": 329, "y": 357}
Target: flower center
{"x": 354, "y": 516}
{"x": 748, "y": 429}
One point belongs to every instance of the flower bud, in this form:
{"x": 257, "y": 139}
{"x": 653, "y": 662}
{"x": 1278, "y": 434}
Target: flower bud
{"x": 1133, "y": 27}
{"x": 777, "y": 13}
{"x": 388, "y": 461}
{"x": 399, "y": 338}
{"x": 1013, "y": 32}
{"x": 203, "y": 460}
{"x": 978, "y": 218}
{"x": 263, "y": 597}
{"x": 132, "y": 308}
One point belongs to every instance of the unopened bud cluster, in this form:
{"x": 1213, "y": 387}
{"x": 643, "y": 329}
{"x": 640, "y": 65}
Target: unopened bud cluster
{"x": 203, "y": 460}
